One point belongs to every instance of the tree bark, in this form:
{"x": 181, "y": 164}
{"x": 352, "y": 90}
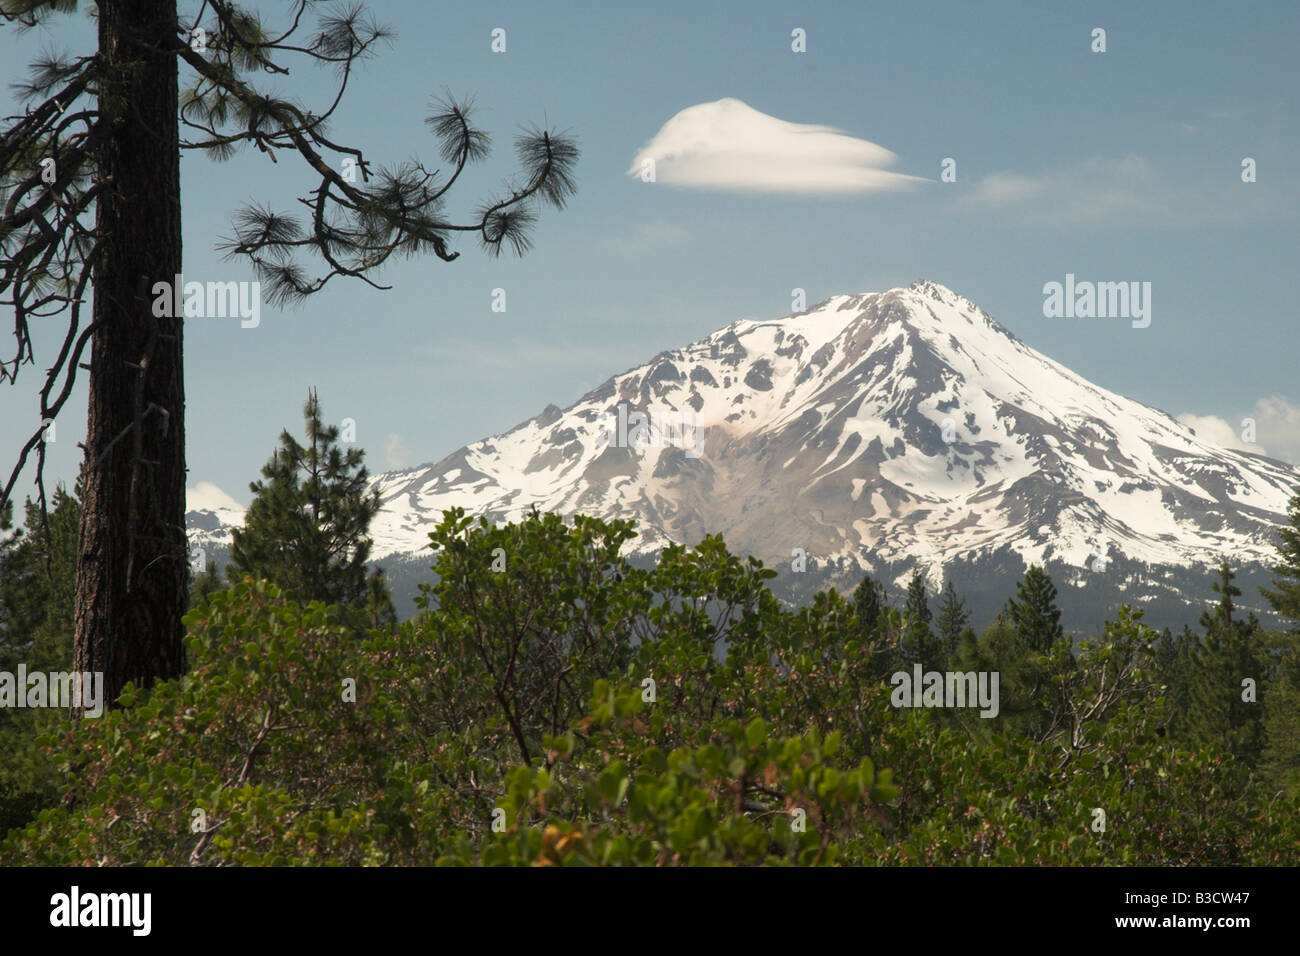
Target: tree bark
{"x": 132, "y": 561}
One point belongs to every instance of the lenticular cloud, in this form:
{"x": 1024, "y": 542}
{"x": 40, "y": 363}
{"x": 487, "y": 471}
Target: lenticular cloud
{"x": 730, "y": 145}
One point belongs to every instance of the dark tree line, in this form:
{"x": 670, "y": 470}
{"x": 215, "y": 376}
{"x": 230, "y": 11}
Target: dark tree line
{"x": 1231, "y": 684}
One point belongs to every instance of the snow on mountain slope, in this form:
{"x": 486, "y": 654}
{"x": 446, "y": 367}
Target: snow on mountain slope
{"x": 906, "y": 424}
{"x": 210, "y": 513}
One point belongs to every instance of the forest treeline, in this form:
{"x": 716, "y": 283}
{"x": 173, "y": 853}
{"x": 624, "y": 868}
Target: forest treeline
{"x": 550, "y": 703}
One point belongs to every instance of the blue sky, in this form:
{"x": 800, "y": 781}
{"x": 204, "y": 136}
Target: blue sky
{"x": 1115, "y": 166}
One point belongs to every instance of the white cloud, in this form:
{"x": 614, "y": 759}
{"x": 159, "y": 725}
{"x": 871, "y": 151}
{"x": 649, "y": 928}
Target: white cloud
{"x": 1217, "y": 431}
{"x": 1277, "y": 426}
{"x": 730, "y": 145}
{"x": 205, "y": 496}
{"x": 1277, "y": 429}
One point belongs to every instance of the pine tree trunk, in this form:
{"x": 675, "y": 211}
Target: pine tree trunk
{"x": 132, "y": 562}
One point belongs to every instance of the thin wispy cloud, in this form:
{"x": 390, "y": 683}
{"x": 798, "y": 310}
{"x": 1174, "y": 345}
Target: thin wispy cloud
{"x": 396, "y": 452}
{"x": 1128, "y": 191}
{"x": 648, "y": 238}
{"x": 520, "y": 355}
{"x": 1097, "y": 190}
{"x": 729, "y": 145}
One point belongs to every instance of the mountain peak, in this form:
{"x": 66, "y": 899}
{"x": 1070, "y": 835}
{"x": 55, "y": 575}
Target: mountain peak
{"x": 935, "y": 289}
{"x": 904, "y": 424}
{"x": 897, "y": 426}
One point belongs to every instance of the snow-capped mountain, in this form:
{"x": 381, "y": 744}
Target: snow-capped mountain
{"x": 873, "y": 428}
{"x": 876, "y": 432}
{"x": 210, "y": 513}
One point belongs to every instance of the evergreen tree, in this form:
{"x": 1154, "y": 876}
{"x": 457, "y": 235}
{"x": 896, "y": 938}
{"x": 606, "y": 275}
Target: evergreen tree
{"x": 1280, "y": 758}
{"x": 1164, "y": 653}
{"x": 38, "y": 567}
{"x": 38, "y": 572}
{"x": 1033, "y": 611}
{"x": 920, "y": 645}
{"x": 1022, "y": 681}
{"x": 915, "y": 604}
{"x": 1175, "y": 662}
{"x": 9, "y": 630}
{"x": 1231, "y": 652}
{"x": 877, "y": 626}
{"x": 99, "y": 228}
{"x": 951, "y": 621}
{"x": 307, "y": 529}
{"x": 205, "y": 583}
{"x": 379, "y": 610}
{"x": 869, "y": 599}
{"x": 1284, "y": 596}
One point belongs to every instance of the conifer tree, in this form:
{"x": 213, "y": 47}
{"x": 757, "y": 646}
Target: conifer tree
{"x": 874, "y": 625}
{"x": 1221, "y": 711}
{"x": 9, "y": 538}
{"x": 91, "y": 205}
{"x": 1000, "y": 648}
{"x": 307, "y": 529}
{"x": 1280, "y": 759}
{"x": 1033, "y": 611}
{"x": 869, "y": 599}
{"x": 919, "y": 640}
{"x": 379, "y": 610}
{"x": 916, "y": 603}
{"x": 951, "y": 621}
{"x": 38, "y": 567}
{"x": 1284, "y": 596}
{"x": 205, "y": 583}
{"x": 38, "y": 572}
{"x": 1175, "y": 668}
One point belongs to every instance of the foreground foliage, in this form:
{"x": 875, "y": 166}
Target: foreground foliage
{"x": 554, "y": 705}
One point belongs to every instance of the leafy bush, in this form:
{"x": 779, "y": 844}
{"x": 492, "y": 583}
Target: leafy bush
{"x": 553, "y": 705}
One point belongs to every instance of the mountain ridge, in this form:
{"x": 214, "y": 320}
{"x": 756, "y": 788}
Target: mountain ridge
{"x": 867, "y": 430}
